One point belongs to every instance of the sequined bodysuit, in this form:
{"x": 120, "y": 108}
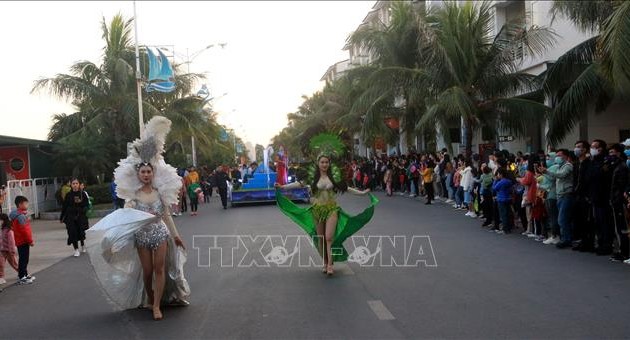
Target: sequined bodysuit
{"x": 324, "y": 203}
{"x": 154, "y": 234}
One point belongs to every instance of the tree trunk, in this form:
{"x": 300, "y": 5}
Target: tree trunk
{"x": 402, "y": 136}
{"x": 468, "y": 137}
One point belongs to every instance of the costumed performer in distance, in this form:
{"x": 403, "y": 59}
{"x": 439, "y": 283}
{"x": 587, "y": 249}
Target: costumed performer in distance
{"x": 327, "y": 224}
{"x": 141, "y": 256}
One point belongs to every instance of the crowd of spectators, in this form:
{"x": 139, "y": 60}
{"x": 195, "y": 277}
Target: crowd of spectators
{"x": 568, "y": 198}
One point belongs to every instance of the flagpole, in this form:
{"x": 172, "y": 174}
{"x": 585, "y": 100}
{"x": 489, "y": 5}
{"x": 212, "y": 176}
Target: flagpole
{"x": 138, "y": 74}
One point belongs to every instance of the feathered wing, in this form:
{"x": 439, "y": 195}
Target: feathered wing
{"x": 158, "y": 128}
{"x": 310, "y": 173}
{"x": 336, "y": 171}
{"x": 167, "y": 182}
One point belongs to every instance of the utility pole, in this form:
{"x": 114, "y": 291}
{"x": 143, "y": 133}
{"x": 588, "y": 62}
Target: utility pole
{"x": 138, "y": 74}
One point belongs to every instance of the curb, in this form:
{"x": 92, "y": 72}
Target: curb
{"x": 54, "y": 215}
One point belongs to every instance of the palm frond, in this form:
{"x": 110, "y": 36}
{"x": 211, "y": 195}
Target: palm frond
{"x": 569, "y": 66}
{"x": 615, "y": 48}
{"x": 67, "y": 87}
{"x": 515, "y": 114}
{"x": 588, "y": 16}
{"x": 575, "y": 102}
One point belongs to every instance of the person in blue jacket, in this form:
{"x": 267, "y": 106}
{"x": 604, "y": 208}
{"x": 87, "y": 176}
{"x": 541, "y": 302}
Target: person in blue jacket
{"x": 503, "y": 189}
{"x": 117, "y": 202}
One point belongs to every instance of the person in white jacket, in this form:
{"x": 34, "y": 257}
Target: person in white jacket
{"x": 467, "y": 184}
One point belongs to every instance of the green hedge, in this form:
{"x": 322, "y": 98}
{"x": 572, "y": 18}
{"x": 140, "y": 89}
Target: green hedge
{"x": 100, "y": 193}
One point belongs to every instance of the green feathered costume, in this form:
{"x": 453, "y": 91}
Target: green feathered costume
{"x": 306, "y": 218}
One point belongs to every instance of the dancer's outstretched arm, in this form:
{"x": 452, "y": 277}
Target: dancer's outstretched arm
{"x": 358, "y": 192}
{"x": 293, "y": 185}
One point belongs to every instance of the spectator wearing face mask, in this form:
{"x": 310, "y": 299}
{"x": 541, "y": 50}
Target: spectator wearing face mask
{"x": 616, "y": 164}
{"x": 564, "y": 191}
{"x": 583, "y": 216}
{"x": 599, "y": 190}
{"x": 552, "y": 229}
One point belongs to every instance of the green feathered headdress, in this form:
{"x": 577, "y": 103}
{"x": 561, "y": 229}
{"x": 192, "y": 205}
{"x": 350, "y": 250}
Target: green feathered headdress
{"x": 326, "y": 144}
{"x": 329, "y": 145}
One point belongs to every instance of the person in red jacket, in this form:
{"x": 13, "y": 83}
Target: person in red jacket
{"x": 21, "y": 225}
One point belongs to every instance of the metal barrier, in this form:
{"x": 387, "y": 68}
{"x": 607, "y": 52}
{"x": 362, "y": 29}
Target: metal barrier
{"x": 22, "y": 187}
{"x": 45, "y": 189}
{"x": 40, "y": 193}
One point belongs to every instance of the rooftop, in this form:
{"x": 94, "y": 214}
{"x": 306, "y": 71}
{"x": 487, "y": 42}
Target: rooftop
{"x": 13, "y": 141}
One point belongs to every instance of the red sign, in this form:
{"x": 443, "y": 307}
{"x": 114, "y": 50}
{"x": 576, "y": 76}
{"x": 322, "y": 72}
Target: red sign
{"x": 379, "y": 144}
{"x": 392, "y": 123}
{"x": 15, "y": 159}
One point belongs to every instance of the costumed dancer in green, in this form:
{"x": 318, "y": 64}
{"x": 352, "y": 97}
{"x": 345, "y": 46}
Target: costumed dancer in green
{"x": 327, "y": 224}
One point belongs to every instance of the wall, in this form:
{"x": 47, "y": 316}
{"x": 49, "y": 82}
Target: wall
{"x": 606, "y": 125}
{"x": 40, "y": 163}
{"x": 568, "y": 35}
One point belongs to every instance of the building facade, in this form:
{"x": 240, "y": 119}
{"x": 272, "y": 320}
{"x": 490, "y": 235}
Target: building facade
{"x": 611, "y": 125}
{"x": 22, "y": 158}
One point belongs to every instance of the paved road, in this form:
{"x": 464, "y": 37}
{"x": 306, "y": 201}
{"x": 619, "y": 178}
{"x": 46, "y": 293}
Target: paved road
{"x": 483, "y": 286}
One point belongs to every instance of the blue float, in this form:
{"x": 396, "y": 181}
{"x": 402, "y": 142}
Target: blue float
{"x": 260, "y": 189}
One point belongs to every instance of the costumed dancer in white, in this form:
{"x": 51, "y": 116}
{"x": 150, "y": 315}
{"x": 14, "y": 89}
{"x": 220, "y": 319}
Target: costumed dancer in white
{"x": 141, "y": 256}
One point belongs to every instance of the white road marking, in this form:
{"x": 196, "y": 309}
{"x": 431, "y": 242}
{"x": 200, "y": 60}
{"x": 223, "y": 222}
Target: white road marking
{"x": 382, "y": 313}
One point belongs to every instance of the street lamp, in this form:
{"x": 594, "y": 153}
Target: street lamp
{"x": 203, "y": 91}
{"x": 189, "y": 60}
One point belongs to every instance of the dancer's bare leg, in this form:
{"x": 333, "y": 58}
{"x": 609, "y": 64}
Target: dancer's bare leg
{"x": 146, "y": 259}
{"x": 159, "y": 260}
{"x": 331, "y": 228}
{"x": 321, "y": 229}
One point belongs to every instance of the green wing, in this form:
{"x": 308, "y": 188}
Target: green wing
{"x": 302, "y": 216}
{"x": 346, "y": 225}
{"x": 336, "y": 171}
{"x": 310, "y": 173}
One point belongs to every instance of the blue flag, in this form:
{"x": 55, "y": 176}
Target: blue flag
{"x": 161, "y": 77}
{"x": 223, "y": 136}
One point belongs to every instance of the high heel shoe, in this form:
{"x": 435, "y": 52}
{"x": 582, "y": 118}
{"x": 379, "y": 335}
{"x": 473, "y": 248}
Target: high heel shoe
{"x": 157, "y": 315}
{"x": 329, "y": 271}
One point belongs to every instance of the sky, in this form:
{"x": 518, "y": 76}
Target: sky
{"x": 275, "y": 53}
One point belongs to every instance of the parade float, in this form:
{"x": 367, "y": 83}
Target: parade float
{"x": 259, "y": 186}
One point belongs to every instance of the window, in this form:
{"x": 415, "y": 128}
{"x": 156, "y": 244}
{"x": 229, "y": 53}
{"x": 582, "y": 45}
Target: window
{"x": 455, "y": 134}
{"x": 487, "y": 133}
{"x": 16, "y": 164}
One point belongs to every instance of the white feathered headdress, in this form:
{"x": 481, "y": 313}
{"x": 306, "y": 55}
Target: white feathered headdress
{"x": 148, "y": 150}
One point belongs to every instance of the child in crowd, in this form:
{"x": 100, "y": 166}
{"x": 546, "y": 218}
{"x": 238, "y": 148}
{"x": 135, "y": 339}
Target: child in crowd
{"x": 8, "y": 249}
{"x": 21, "y": 226}
{"x": 194, "y": 189}
{"x": 503, "y": 187}
{"x": 538, "y": 215}
{"x": 459, "y": 192}
{"x": 387, "y": 178}
{"x": 485, "y": 191}
{"x": 467, "y": 183}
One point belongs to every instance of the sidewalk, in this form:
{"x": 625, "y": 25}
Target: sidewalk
{"x": 50, "y": 247}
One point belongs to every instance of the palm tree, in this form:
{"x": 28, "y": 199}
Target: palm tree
{"x": 474, "y": 75}
{"x": 394, "y": 73}
{"x": 595, "y": 71}
{"x": 106, "y": 101}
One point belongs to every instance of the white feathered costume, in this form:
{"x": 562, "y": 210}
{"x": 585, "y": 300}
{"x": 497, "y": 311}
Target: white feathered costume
{"x": 115, "y": 258}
